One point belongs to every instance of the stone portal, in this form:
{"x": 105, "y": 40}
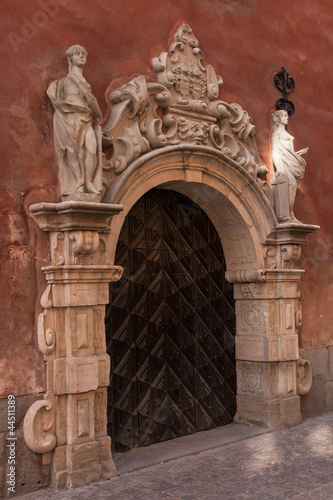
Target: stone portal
{"x": 177, "y": 135}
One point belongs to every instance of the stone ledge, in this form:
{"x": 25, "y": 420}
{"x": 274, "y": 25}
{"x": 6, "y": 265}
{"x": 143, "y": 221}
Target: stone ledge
{"x": 291, "y": 233}
{"x": 74, "y": 215}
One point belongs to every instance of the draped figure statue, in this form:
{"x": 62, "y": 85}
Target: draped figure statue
{"x": 77, "y": 135}
{"x": 289, "y": 167}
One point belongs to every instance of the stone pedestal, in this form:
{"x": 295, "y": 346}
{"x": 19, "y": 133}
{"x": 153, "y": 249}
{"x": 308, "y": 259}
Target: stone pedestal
{"x": 71, "y": 335}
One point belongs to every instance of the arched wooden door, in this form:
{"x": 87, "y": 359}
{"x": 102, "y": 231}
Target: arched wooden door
{"x": 170, "y": 325}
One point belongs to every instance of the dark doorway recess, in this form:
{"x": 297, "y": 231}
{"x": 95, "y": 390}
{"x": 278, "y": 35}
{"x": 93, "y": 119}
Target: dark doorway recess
{"x": 170, "y": 325}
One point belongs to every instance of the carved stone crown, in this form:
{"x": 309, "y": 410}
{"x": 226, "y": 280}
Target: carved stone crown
{"x": 182, "y": 108}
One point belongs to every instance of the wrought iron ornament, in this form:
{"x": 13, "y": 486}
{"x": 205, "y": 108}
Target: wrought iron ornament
{"x": 286, "y": 85}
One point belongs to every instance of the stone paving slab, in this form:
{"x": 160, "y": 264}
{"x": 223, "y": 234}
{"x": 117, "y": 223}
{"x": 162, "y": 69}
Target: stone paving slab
{"x": 295, "y": 463}
{"x": 139, "y": 458}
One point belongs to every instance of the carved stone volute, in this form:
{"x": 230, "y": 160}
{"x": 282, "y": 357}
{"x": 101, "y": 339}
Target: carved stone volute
{"x": 37, "y": 427}
{"x": 46, "y": 324}
{"x": 304, "y": 376}
{"x": 284, "y": 245}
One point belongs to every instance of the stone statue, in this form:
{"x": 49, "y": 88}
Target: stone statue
{"x": 77, "y": 135}
{"x": 289, "y": 168}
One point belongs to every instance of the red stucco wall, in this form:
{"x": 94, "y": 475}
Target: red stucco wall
{"x": 246, "y": 41}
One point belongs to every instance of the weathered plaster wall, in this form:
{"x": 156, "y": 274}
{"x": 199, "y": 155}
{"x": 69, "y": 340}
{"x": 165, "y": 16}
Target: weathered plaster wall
{"x": 246, "y": 41}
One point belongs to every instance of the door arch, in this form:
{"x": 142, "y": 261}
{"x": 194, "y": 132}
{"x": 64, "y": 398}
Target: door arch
{"x": 231, "y": 197}
{"x": 259, "y": 255}
{"x": 170, "y": 325}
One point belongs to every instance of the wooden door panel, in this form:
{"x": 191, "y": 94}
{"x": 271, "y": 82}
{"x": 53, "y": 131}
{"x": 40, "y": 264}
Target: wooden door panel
{"x": 170, "y": 326}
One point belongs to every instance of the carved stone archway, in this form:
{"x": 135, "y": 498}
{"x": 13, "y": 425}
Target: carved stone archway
{"x": 259, "y": 256}
{"x": 230, "y": 196}
{"x": 174, "y": 134}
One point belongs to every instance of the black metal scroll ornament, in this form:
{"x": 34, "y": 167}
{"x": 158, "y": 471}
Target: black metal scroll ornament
{"x": 286, "y": 84}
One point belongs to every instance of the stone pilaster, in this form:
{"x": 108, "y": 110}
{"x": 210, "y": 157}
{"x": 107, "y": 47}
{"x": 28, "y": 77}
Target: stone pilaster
{"x": 268, "y": 318}
{"x": 72, "y": 338}
{"x": 267, "y": 349}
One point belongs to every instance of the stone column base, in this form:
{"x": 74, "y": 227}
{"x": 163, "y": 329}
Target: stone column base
{"x": 83, "y": 464}
{"x": 274, "y": 413}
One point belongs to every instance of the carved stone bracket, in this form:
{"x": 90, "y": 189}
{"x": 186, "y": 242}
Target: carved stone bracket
{"x": 84, "y": 242}
{"x": 46, "y": 326}
{"x": 284, "y": 245}
{"x": 38, "y": 428}
{"x": 290, "y": 253}
{"x": 304, "y": 376}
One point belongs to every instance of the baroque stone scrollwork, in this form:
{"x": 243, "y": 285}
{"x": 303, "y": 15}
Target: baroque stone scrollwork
{"x": 37, "y": 425}
{"x": 46, "y": 301}
{"x": 124, "y": 129}
{"x": 182, "y": 108}
{"x": 45, "y": 327}
{"x": 46, "y": 336}
{"x": 298, "y": 311}
{"x": 290, "y": 253}
{"x": 84, "y": 242}
{"x": 304, "y": 376}
{"x": 270, "y": 257}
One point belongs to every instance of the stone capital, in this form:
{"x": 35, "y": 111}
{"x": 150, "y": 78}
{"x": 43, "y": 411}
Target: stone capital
{"x": 74, "y": 216}
{"x": 291, "y": 233}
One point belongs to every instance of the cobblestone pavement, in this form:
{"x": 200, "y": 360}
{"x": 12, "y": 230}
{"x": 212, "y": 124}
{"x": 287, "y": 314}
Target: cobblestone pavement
{"x": 295, "y": 463}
